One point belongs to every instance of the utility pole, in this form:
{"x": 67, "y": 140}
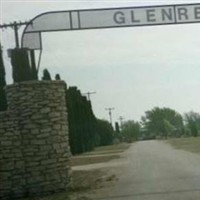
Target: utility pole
{"x": 15, "y": 26}
{"x": 121, "y": 120}
{"x": 110, "y": 113}
{"x": 88, "y": 94}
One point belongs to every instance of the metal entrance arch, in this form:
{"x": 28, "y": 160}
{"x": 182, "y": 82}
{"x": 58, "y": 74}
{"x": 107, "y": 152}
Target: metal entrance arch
{"x": 74, "y": 20}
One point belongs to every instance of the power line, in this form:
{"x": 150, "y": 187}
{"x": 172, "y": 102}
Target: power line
{"x": 88, "y": 94}
{"x": 110, "y": 113}
{"x": 15, "y": 26}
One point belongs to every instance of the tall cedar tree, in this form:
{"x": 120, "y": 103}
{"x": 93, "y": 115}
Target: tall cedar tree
{"x": 57, "y": 77}
{"x": 82, "y": 122}
{"x": 85, "y": 131}
{"x": 33, "y": 66}
{"x": 105, "y": 132}
{"x": 22, "y": 70}
{"x": 46, "y": 75}
{"x": 3, "y": 103}
{"x": 117, "y": 129}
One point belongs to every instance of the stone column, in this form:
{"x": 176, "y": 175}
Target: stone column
{"x": 41, "y": 113}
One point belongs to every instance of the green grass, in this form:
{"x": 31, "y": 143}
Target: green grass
{"x": 189, "y": 144}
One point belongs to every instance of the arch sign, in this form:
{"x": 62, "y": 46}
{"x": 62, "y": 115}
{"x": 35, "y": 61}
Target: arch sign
{"x": 107, "y": 18}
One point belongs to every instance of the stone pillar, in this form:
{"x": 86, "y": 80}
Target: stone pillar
{"x": 41, "y": 130}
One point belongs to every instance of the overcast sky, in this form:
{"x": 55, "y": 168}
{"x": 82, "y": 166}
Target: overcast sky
{"x": 131, "y": 69}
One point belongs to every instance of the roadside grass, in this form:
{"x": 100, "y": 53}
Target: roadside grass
{"x": 88, "y": 180}
{"x": 191, "y": 144}
{"x": 114, "y": 147}
{"x": 84, "y": 160}
{"x": 100, "y": 154}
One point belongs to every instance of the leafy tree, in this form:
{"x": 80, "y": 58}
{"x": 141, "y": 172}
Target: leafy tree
{"x": 192, "y": 120}
{"x": 46, "y": 75}
{"x": 168, "y": 128}
{"x": 130, "y": 131}
{"x": 162, "y": 122}
{"x": 3, "y": 103}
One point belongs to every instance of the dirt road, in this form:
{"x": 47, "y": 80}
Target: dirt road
{"x": 153, "y": 170}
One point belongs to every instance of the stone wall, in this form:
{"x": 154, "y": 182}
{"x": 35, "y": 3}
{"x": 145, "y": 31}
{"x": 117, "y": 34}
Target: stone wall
{"x": 34, "y": 157}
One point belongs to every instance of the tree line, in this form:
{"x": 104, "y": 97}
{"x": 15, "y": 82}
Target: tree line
{"x": 85, "y": 130}
{"x": 161, "y": 123}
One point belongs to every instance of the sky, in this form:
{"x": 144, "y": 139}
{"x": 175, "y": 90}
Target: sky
{"x": 130, "y": 69}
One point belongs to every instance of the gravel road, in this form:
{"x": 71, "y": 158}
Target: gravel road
{"x": 153, "y": 170}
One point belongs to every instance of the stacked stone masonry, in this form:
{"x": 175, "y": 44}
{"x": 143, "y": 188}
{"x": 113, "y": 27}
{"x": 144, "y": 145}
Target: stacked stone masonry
{"x": 35, "y": 153}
